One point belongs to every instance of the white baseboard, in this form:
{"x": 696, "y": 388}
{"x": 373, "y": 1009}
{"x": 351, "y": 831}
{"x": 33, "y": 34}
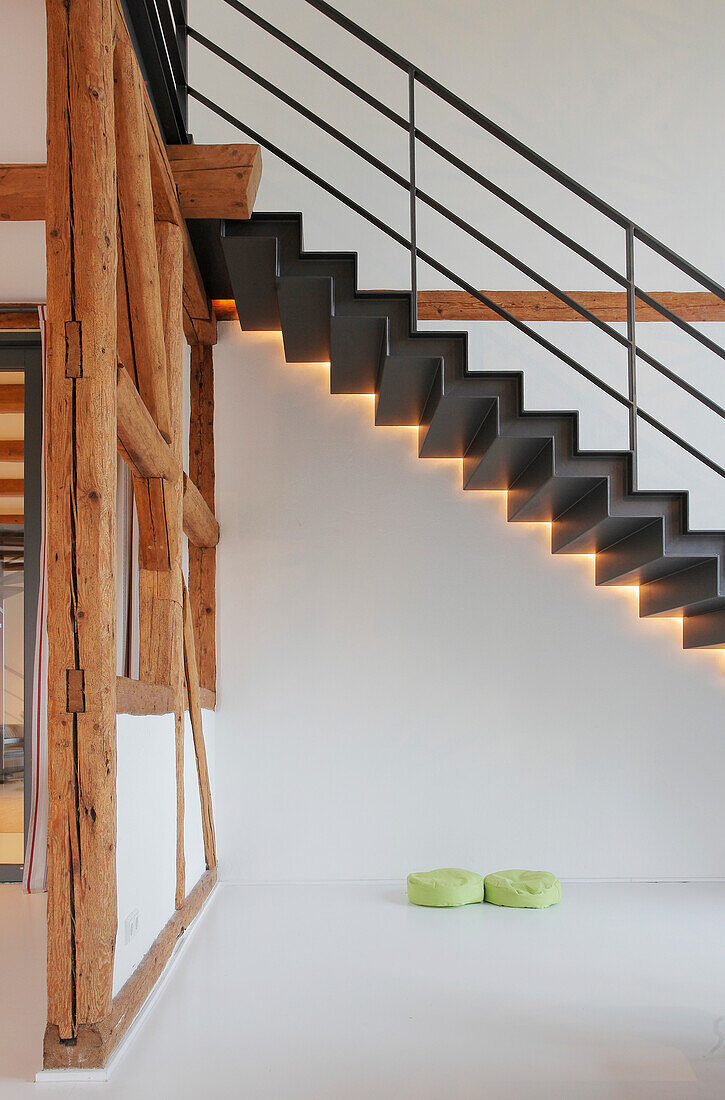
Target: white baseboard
{"x": 71, "y": 1076}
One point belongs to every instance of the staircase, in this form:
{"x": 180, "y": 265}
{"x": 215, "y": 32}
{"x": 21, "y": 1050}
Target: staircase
{"x": 423, "y": 378}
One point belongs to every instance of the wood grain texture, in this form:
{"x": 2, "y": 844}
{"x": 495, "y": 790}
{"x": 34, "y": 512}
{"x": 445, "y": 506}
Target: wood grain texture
{"x": 136, "y": 206}
{"x": 12, "y": 519}
{"x": 202, "y": 560}
{"x": 216, "y": 181}
{"x": 24, "y": 319}
{"x": 533, "y": 305}
{"x": 200, "y": 523}
{"x": 142, "y": 697}
{"x": 12, "y": 398}
{"x": 202, "y": 770}
{"x": 23, "y": 192}
{"x": 12, "y": 486}
{"x": 12, "y": 450}
{"x": 143, "y": 445}
{"x": 81, "y": 517}
{"x": 96, "y": 1043}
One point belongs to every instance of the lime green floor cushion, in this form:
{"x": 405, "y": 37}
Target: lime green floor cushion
{"x": 445, "y": 887}
{"x": 522, "y": 889}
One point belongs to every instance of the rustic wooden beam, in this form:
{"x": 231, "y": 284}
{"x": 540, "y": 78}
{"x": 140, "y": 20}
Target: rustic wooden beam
{"x": 142, "y": 697}
{"x": 12, "y": 519}
{"x": 12, "y": 398}
{"x": 202, "y": 560}
{"x": 23, "y": 192}
{"x": 12, "y": 450}
{"x": 202, "y": 771}
{"x": 12, "y": 487}
{"x": 140, "y": 441}
{"x": 81, "y": 516}
{"x": 216, "y": 181}
{"x": 136, "y": 207}
{"x": 22, "y": 318}
{"x": 96, "y": 1043}
{"x": 200, "y": 523}
{"x": 534, "y": 305}
{"x": 212, "y": 181}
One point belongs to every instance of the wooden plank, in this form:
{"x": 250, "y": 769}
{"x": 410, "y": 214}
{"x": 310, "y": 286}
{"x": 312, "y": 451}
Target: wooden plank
{"x": 23, "y": 319}
{"x": 12, "y": 450}
{"x": 141, "y": 442}
{"x": 23, "y": 192}
{"x": 169, "y": 247}
{"x": 142, "y": 697}
{"x": 202, "y": 771}
{"x": 202, "y": 560}
{"x": 81, "y": 515}
{"x": 12, "y": 519}
{"x": 526, "y": 305}
{"x": 200, "y": 524}
{"x": 136, "y": 206}
{"x": 12, "y": 487}
{"x": 216, "y": 181}
{"x": 12, "y": 398}
{"x": 96, "y": 1043}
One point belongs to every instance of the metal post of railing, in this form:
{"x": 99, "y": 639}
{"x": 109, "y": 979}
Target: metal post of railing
{"x": 413, "y": 204}
{"x": 632, "y": 352}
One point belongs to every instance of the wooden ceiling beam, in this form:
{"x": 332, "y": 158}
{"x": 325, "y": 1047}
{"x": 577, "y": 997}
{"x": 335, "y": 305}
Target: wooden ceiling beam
{"x": 210, "y": 181}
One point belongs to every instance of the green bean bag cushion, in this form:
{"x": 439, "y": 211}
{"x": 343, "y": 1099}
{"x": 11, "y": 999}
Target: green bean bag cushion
{"x": 522, "y": 889}
{"x": 448, "y": 886}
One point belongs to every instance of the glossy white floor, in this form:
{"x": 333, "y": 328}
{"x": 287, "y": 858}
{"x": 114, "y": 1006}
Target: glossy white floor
{"x": 346, "y": 991}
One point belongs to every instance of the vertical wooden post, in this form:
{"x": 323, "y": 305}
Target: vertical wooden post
{"x": 170, "y": 250}
{"x": 81, "y": 502}
{"x": 202, "y": 562}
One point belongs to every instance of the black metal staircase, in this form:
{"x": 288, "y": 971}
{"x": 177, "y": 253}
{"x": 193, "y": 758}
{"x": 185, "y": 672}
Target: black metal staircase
{"x": 374, "y": 345}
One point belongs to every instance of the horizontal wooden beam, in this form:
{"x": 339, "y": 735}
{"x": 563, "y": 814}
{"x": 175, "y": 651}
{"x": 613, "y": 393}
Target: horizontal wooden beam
{"x": 212, "y": 181}
{"x": 200, "y": 524}
{"x": 140, "y": 441}
{"x": 12, "y": 519}
{"x": 19, "y": 318}
{"x": 534, "y": 305}
{"x": 216, "y": 181}
{"x": 95, "y": 1043}
{"x": 142, "y": 697}
{"x": 12, "y": 398}
{"x": 12, "y": 450}
{"x": 11, "y": 487}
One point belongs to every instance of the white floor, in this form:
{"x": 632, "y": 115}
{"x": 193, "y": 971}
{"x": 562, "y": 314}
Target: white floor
{"x": 346, "y": 991}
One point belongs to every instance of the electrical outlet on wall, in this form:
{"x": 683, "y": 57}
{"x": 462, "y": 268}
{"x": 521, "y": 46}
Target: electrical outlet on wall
{"x": 130, "y": 926}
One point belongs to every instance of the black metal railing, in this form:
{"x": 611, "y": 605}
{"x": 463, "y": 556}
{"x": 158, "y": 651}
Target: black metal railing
{"x": 416, "y": 78}
{"x": 158, "y": 28}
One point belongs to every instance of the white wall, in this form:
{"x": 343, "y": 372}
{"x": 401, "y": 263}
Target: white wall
{"x": 623, "y": 96}
{"x": 408, "y": 681}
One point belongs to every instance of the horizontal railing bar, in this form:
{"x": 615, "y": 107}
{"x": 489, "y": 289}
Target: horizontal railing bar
{"x": 524, "y": 268}
{"x": 521, "y": 208}
{"x": 328, "y": 70}
{"x": 311, "y": 116}
{"x": 678, "y": 261}
{"x": 301, "y": 168}
{"x": 681, "y": 324}
{"x": 681, "y": 442}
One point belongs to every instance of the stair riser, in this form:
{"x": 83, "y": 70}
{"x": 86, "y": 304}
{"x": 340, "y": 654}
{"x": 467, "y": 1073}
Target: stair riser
{"x": 684, "y": 591}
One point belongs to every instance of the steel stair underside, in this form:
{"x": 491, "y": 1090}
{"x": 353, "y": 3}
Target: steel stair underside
{"x": 422, "y": 378}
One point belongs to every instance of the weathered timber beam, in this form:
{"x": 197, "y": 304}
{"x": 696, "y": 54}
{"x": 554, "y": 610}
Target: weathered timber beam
{"x": 534, "y": 305}
{"x": 202, "y": 771}
{"x": 200, "y": 523}
{"x": 19, "y": 318}
{"x": 136, "y": 208}
{"x": 140, "y": 441}
{"x": 216, "y": 181}
{"x": 11, "y": 486}
{"x": 97, "y": 1042}
{"x": 212, "y": 181}
{"x": 80, "y": 404}
{"x": 12, "y": 398}
{"x": 202, "y": 560}
{"x": 12, "y": 450}
{"x": 143, "y": 697}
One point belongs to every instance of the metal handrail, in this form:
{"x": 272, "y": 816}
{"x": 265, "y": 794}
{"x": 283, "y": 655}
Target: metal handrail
{"x": 416, "y": 76}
